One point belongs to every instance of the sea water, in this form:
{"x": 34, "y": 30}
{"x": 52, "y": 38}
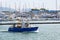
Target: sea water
{"x": 46, "y": 32}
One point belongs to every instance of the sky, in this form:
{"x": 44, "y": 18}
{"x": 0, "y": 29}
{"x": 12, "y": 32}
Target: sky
{"x": 22, "y": 4}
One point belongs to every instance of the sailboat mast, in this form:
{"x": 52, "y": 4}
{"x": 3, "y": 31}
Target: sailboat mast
{"x": 43, "y": 4}
{"x": 1, "y": 4}
{"x": 9, "y": 7}
{"x": 19, "y": 8}
{"x": 56, "y": 4}
{"x": 33, "y": 5}
{"x": 24, "y": 7}
{"x": 15, "y": 5}
{"x": 56, "y": 9}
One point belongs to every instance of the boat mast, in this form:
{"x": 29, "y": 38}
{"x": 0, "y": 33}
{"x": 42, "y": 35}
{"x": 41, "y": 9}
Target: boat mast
{"x": 19, "y": 7}
{"x": 43, "y": 4}
{"x": 15, "y": 5}
{"x": 56, "y": 9}
{"x": 33, "y": 5}
{"x": 1, "y": 4}
{"x": 24, "y": 7}
{"x": 9, "y": 8}
{"x": 56, "y": 4}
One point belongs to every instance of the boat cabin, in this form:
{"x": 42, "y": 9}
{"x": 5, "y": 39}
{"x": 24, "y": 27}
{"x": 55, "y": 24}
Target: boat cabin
{"x": 21, "y": 24}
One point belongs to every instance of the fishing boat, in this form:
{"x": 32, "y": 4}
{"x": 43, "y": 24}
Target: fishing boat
{"x": 22, "y": 27}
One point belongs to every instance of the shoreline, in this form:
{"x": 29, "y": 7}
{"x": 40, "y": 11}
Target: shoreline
{"x": 30, "y": 22}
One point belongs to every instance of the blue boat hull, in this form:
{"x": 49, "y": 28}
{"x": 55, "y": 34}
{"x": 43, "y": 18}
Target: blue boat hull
{"x": 15, "y": 29}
